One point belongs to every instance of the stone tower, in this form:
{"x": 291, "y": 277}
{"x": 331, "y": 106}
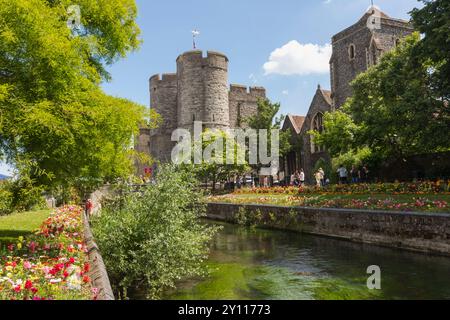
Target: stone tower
{"x": 198, "y": 91}
{"x": 203, "y": 90}
{"x": 360, "y": 46}
{"x": 163, "y": 99}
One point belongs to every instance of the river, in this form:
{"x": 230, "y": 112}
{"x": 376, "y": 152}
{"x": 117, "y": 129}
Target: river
{"x": 264, "y": 264}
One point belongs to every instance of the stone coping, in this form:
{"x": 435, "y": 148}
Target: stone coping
{"x": 338, "y": 210}
{"x": 98, "y": 273}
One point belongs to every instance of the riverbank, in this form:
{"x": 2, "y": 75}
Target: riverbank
{"x": 422, "y": 232}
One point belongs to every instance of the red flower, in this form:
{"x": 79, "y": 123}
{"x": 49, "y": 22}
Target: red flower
{"x": 34, "y": 290}
{"x": 17, "y": 288}
{"x": 28, "y": 285}
{"x": 86, "y": 279}
{"x": 11, "y": 247}
{"x": 72, "y": 260}
{"x": 87, "y": 267}
{"x": 65, "y": 274}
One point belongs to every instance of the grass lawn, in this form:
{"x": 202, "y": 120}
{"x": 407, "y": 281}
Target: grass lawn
{"x": 20, "y": 224}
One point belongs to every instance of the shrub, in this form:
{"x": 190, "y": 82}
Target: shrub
{"x": 152, "y": 238}
{"x": 6, "y": 198}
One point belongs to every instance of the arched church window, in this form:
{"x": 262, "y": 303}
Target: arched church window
{"x": 317, "y": 125}
{"x": 352, "y": 52}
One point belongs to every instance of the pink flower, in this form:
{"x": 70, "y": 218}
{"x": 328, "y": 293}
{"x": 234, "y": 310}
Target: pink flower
{"x": 27, "y": 265}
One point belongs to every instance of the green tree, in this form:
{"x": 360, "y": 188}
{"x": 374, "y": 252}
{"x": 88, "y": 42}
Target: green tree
{"x": 224, "y": 163}
{"x": 433, "y": 21}
{"x": 152, "y": 239}
{"x": 267, "y": 119}
{"x": 53, "y": 113}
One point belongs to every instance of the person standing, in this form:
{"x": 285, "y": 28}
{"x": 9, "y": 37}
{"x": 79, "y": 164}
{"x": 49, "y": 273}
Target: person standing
{"x": 302, "y": 178}
{"x": 355, "y": 174}
{"x": 364, "y": 174}
{"x": 322, "y": 177}
{"x": 343, "y": 174}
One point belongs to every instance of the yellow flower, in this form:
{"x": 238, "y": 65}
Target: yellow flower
{"x": 19, "y": 246}
{"x": 20, "y": 239}
{"x": 9, "y": 268}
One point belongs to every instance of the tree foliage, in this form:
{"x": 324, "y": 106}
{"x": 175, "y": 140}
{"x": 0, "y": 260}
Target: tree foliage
{"x": 53, "y": 113}
{"x": 224, "y": 163}
{"x": 152, "y": 239}
{"x": 267, "y": 119}
{"x": 433, "y": 21}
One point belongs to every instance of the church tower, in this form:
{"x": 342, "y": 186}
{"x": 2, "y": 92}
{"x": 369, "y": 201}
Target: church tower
{"x": 360, "y": 46}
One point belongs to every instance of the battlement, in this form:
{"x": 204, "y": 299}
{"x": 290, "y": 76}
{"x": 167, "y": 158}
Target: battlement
{"x": 166, "y": 78}
{"x": 191, "y": 55}
{"x": 244, "y": 90}
{"x": 212, "y": 59}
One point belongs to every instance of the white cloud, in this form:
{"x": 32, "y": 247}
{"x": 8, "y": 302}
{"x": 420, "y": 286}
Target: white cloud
{"x": 327, "y": 1}
{"x": 285, "y": 92}
{"x": 295, "y": 58}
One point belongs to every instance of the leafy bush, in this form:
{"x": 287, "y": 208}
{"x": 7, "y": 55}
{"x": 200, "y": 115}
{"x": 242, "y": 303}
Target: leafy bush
{"x": 153, "y": 238}
{"x": 5, "y": 198}
{"x": 20, "y": 195}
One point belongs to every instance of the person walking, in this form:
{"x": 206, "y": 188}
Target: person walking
{"x": 343, "y": 174}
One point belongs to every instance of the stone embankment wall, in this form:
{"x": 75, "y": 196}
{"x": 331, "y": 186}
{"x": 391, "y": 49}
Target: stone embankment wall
{"x": 98, "y": 272}
{"x": 422, "y": 232}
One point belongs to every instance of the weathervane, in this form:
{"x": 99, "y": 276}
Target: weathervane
{"x": 195, "y": 33}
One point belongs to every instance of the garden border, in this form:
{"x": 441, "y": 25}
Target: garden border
{"x": 421, "y": 232}
{"x": 98, "y": 272}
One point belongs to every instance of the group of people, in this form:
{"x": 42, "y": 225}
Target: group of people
{"x": 356, "y": 175}
{"x": 298, "y": 178}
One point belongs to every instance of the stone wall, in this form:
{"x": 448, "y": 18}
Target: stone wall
{"x": 425, "y": 232}
{"x": 97, "y": 273}
{"x": 243, "y": 104}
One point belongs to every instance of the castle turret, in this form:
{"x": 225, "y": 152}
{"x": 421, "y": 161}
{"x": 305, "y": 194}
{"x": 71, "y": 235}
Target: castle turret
{"x": 163, "y": 93}
{"x": 202, "y": 89}
{"x": 216, "y": 112}
{"x": 190, "y": 88}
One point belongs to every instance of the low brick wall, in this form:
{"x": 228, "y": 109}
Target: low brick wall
{"x": 412, "y": 231}
{"x": 98, "y": 273}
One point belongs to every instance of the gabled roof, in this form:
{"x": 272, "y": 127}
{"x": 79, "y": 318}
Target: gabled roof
{"x": 327, "y": 96}
{"x": 295, "y": 121}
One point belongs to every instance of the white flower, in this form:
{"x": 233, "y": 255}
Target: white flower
{"x": 53, "y": 281}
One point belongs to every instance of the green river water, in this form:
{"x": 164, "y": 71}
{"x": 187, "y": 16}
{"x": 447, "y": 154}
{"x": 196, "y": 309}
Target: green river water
{"x": 263, "y": 264}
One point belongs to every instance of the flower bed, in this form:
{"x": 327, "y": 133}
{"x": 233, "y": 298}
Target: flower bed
{"x": 369, "y": 202}
{"x": 49, "y": 265}
{"x": 418, "y": 188}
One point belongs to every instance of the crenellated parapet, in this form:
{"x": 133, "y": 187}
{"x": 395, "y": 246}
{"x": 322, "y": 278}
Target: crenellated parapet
{"x": 243, "y": 103}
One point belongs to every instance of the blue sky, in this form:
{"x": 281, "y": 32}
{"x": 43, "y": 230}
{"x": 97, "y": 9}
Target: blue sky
{"x": 249, "y": 32}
